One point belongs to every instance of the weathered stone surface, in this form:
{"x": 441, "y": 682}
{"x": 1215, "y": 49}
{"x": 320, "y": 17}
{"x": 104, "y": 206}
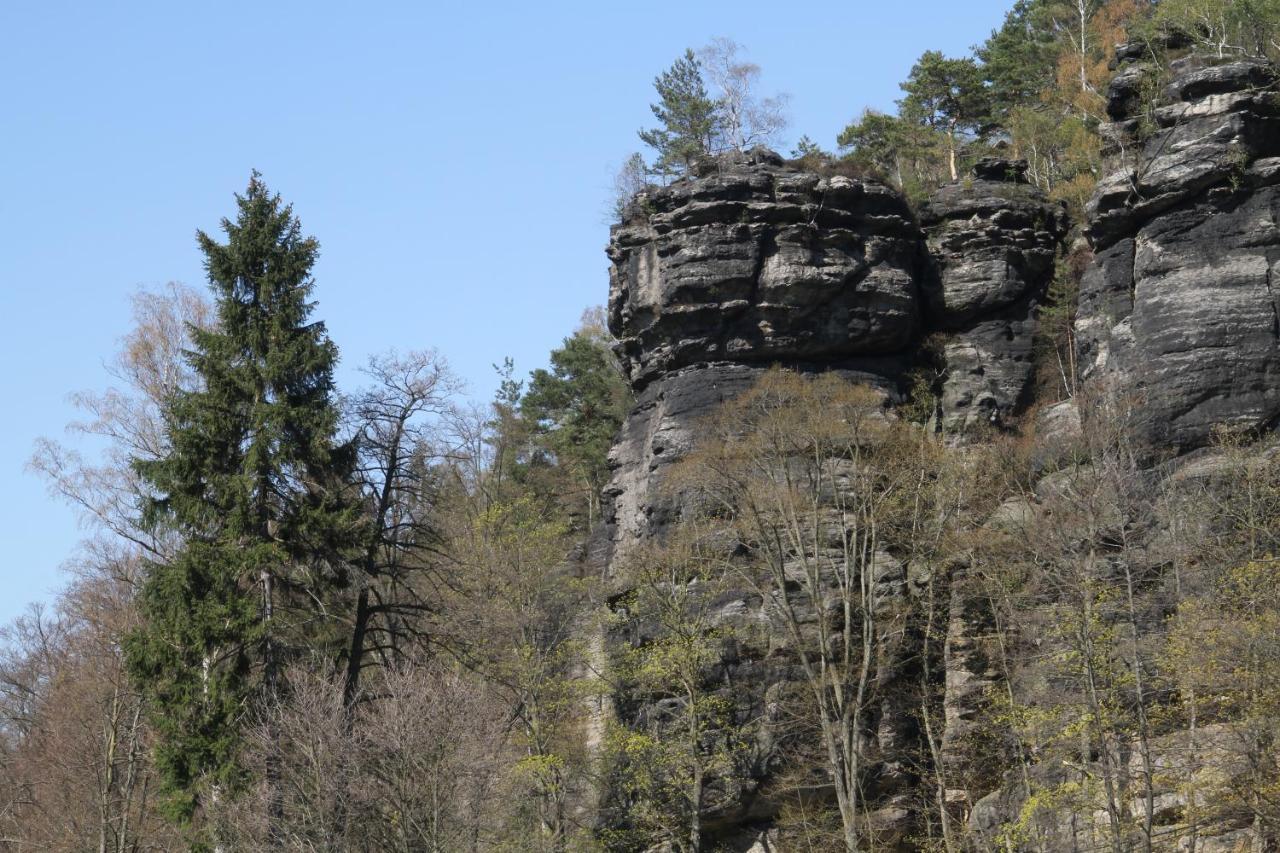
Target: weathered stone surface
{"x": 1215, "y": 122}
{"x": 1177, "y": 311}
{"x": 663, "y": 427}
{"x": 752, "y": 263}
{"x": 991, "y": 242}
{"x": 759, "y": 263}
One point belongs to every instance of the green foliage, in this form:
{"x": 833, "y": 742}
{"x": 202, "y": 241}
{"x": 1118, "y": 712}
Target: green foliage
{"x": 686, "y": 732}
{"x": 1033, "y": 85}
{"x": 255, "y": 486}
{"x": 575, "y": 410}
{"x": 806, "y": 147}
{"x": 1224, "y": 28}
{"x": 1055, "y": 341}
{"x": 945, "y": 94}
{"x": 907, "y": 153}
{"x": 687, "y": 115}
{"x": 948, "y": 96}
{"x": 1018, "y": 59}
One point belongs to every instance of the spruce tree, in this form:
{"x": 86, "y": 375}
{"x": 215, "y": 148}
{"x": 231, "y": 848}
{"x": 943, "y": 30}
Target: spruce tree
{"x": 255, "y": 486}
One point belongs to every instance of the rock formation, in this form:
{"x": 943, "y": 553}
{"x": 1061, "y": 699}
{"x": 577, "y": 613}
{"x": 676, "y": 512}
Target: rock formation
{"x": 716, "y": 278}
{"x": 1178, "y": 329}
{"x": 757, "y": 263}
{"x": 754, "y": 262}
{"x": 1178, "y": 311}
{"x": 991, "y": 242}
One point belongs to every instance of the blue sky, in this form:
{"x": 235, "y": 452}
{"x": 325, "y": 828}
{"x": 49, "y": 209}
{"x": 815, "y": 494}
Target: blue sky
{"x": 453, "y": 160}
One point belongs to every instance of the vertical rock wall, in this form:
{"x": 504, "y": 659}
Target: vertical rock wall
{"x": 1178, "y": 311}
{"x": 753, "y": 263}
{"x": 992, "y": 241}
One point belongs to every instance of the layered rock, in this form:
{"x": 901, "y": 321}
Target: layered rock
{"x": 1178, "y": 311}
{"x": 1178, "y": 333}
{"x": 757, "y": 263}
{"x": 715, "y": 279}
{"x": 752, "y": 263}
{"x": 992, "y": 241}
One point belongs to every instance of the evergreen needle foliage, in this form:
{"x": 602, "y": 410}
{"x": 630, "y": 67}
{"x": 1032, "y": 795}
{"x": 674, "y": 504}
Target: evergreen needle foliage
{"x": 687, "y": 114}
{"x": 255, "y": 486}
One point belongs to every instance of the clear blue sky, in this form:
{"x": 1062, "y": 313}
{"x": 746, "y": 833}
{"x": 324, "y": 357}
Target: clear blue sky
{"x": 454, "y": 161}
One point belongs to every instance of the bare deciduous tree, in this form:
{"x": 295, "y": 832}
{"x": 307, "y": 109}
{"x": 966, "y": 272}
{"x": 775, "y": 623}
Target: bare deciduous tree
{"x": 422, "y": 769}
{"x": 398, "y": 426}
{"x": 831, "y": 496}
{"x": 744, "y": 117}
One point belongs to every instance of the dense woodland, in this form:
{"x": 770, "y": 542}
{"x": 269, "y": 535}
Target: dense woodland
{"x": 321, "y": 618}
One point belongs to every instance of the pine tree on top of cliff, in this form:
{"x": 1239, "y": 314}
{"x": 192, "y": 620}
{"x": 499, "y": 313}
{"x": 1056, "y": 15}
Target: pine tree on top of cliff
{"x": 1020, "y": 59}
{"x": 688, "y": 115}
{"x": 255, "y": 485}
{"x": 947, "y": 95}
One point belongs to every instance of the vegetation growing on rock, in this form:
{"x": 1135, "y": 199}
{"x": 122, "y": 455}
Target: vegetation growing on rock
{"x": 925, "y": 499}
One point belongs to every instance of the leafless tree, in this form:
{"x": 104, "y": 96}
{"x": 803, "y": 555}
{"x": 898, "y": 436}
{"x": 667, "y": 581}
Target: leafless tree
{"x": 422, "y": 769}
{"x": 398, "y": 427}
{"x": 827, "y": 491}
{"x": 77, "y": 772}
{"x": 745, "y": 118}
{"x": 150, "y": 367}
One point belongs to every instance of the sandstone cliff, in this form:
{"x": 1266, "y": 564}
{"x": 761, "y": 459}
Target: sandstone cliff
{"x": 1179, "y": 306}
{"x": 754, "y": 263}
{"x": 1177, "y": 337}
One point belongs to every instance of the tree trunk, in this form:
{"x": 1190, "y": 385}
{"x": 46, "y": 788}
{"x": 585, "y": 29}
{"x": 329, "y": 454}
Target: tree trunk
{"x": 951, "y": 153}
{"x": 270, "y": 675}
{"x": 355, "y": 654}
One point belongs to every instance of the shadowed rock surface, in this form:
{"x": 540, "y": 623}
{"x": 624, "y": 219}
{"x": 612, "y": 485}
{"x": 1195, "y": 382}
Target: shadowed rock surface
{"x": 992, "y": 242}
{"x": 757, "y": 262}
{"x": 752, "y": 263}
{"x": 1178, "y": 310}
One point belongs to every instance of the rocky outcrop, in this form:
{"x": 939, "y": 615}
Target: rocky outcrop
{"x": 1178, "y": 311}
{"x": 757, "y": 263}
{"x": 992, "y": 242}
{"x": 753, "y": 262}
{"x": 714, "y": 280}
{"x": 717, "y": 278}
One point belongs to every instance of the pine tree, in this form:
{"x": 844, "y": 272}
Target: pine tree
{"x": 689, "y": 116}
{"x": 1019, "y": 60}
{"x": 576, "y": 410}
{"x": 255, "y": 485}
{"x": 947, "y": 95}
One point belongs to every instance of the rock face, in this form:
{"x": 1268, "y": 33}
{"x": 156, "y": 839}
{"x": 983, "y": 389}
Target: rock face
{"x": 992, "y": 242}
{"x": 752, "y": 263}
{"x": 756, "y": 263}
{"x": 1178, "y": 310}
{"x": 717, "y": 278}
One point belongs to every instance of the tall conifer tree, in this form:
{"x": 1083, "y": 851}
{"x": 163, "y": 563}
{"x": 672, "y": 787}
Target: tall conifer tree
{"x": 255, "y": 484}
